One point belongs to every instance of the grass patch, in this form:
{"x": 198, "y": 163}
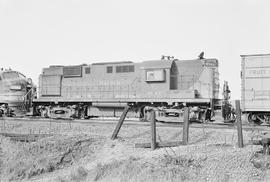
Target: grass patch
{"x": 25, "y": 160}
{"x": 166, "y": 168}
{"x": 78, "y": 175}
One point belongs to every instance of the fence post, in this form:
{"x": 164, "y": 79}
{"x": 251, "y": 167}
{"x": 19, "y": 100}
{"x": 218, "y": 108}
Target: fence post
{"x": 120, "y": 123}
{"x": 153, "y": 130}
{"x": 3, "y": 129}
{"x": 239, "y": 124}
{"x": 186, "y": 126}
{"x": 212, "y": 105}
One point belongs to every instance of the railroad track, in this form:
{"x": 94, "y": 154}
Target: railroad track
{"x": 136, "y": 122}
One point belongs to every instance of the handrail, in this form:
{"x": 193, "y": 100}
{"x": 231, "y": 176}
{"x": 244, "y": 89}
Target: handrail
{"x": 28, "y": 93}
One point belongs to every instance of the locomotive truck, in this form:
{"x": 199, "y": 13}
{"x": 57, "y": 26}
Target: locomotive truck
{"x": 104, "y": 89}
{"x": 255, "y": 87}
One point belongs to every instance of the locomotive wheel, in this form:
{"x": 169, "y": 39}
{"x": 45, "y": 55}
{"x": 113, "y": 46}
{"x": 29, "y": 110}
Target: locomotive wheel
{"x": 253, "y": 119}
{"x": 142, "y": 114}
{"x": 82, "y": 115}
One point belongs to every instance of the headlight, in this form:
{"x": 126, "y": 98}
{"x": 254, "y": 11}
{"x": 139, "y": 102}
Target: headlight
{"x": 29, "y": 81}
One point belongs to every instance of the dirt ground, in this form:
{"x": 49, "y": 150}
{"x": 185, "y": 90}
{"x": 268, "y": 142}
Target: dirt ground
{"x": 85, "y": 152}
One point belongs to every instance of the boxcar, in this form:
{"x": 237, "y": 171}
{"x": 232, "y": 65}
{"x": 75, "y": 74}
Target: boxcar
{"x": 255, "y": 87}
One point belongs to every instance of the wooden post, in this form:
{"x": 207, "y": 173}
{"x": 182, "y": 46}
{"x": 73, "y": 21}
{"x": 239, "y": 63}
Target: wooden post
{"x": 120, "y": 123}
{"x": 153, "y": 130}
{"x": 145, "y": 115}
{"x": 239, "y": 124}
{"x": 212, "y": 106}
{"x": 265, "y": 143}
{"x": 3, "y": 129}
{"x": 186, "y": 126}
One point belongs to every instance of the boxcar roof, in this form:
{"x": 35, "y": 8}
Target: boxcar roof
{"x": 249, "y": 55}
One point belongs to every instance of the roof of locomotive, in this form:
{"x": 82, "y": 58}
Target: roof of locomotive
{"x": 192, "y": 67}
{"x": 9, "y": 71}
{"x": 152, "y": 64}
{"x": 119, "y": 62}
{"x": 193, "y": 62}
{"x": 201, "y": 60}
{"x": 156, "y": 64}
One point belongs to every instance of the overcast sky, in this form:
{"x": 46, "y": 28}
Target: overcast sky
{"x": 35, "y": 34}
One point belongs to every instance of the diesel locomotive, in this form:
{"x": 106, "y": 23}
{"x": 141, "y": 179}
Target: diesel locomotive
{"x": 105, "y": 88}
{"x": 16, "y": 92}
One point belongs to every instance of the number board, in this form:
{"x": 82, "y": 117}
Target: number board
{"x": 211, "y": 63}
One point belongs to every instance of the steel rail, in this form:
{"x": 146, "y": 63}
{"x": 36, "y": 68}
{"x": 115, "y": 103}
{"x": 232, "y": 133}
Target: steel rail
{"x": 133, "y": 122}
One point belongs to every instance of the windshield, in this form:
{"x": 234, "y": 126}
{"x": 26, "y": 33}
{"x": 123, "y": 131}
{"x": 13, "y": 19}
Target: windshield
{"x": 10, "y": 75}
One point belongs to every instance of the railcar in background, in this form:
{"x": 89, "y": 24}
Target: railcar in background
{"x": 255, "y": 87}
{"x": 104, "y": 89}
{"x": 16, "y": 92}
